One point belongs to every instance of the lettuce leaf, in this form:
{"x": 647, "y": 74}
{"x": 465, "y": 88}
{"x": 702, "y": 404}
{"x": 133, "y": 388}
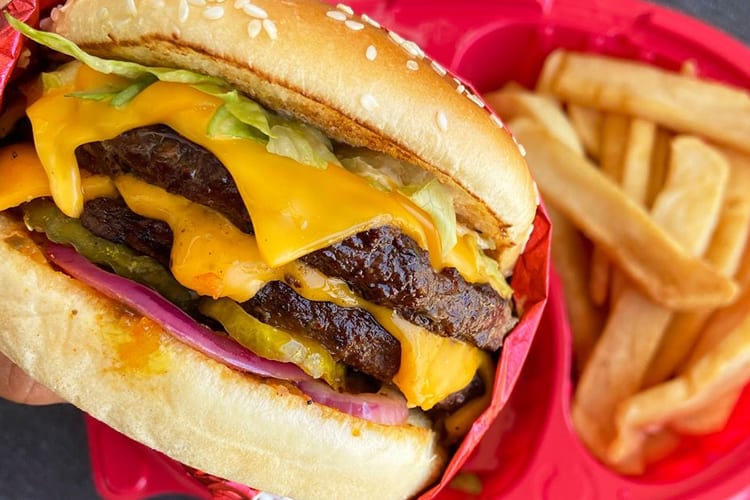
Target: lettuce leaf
{"x": 436, "y": 200}
{"x": 238, "y": 117}
{"x": 301, "y": 142}
{"x": 118, "y": 97}
{"x": 126, "y": 69}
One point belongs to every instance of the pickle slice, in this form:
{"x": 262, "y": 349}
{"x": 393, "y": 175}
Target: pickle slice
{"x": 272, "y": 343}
{"x": 43, "y": 216}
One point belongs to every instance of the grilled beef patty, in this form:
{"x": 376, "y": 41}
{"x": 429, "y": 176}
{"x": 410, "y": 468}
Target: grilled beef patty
{"x": 382, "y": 265}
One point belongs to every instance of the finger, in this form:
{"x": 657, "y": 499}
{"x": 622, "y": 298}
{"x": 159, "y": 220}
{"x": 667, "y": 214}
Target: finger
{"x": 18, "y": 387}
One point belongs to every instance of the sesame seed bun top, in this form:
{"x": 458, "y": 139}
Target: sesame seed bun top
{"x": 362, "y": 84}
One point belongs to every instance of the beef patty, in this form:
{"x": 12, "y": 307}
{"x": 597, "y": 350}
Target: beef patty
{"x": 383, "y": 265}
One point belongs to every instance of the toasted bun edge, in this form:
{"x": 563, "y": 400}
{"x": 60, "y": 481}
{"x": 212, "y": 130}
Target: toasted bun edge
{"x": 139, "y": 380}
{"x": 355, "y": 81}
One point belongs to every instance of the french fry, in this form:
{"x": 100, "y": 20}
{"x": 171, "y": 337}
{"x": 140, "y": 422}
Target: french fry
{"x": 721, "y": 371}
{"x": 652, "y": 260}
{"x": 688, "y": 209}
{"x": 659, "y": 164}
{"x": 513, "y": 101}
{"x": 634, "y": 180}
{"x": 570, "y": 258}
{"x": 725, "y": 319}
{"x": 615, "y": 129}
{"x": 682, "y": 103}
{"x": 711, "y": 418}
{"x": 636, "y": 163}
{"x": 587, "y": 123}
{"x": 724, "y": 253}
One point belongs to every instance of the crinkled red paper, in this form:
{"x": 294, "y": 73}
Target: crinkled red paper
{"x": 11, "y": 42}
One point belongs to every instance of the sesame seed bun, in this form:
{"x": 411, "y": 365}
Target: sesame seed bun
{"x": 91, "y": 351}
{"x": 360, "y": 83}
{"x": 363, "y": 86}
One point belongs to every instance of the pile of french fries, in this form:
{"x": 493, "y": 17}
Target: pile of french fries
{"x": 646, "y": 175}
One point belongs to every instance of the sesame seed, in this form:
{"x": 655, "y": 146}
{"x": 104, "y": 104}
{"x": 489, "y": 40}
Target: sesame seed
{"x": 216, "y": 12}
{"x": 521, "y": 149}
{"x": 254, "y": 28}
{"x": 371, "y": 53}
{"x": 270, "y": 28}
{"x": 103, "y": 13}
{"x": 238, "y": 4}
{"x": 336, "y": 14}
{"x": 412, "y": 48}
{"x": 497, "y": 121}
{"x": 345, "y": 8}
{"x": 197, "y": 3}
{"x": 438, "y": 68}
{"x": 372, "y": 22}
{"x": 412, "y": 65}
{"x": 130, "y": 7}
{"x": 368, "y": 102}
{"x": 354, "y": 25}
{"x": 442, "y": 121}
{"x": 396, "y": 37}
{"x": 183, "y": 11}
{"x": 461, "y": 88}
{"x": 255, "y": 11}
{"x": 475, "y": 99}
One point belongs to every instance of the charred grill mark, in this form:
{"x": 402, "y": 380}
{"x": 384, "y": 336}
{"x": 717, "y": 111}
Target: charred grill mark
{"x": 350, "y": 334}
{"x": 160, "y": 156}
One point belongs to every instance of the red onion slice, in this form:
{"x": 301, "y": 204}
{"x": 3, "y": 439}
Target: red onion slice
{"x": 388, "y": 409}
{"x": 173, "y": 319}
{"x": 378, "y": 408}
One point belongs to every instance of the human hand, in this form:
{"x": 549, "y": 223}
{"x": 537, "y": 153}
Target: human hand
{"x": 18, "y": 387}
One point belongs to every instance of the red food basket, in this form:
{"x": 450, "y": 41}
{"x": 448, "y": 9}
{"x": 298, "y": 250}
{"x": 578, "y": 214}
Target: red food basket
{"x": 531, "y": 450}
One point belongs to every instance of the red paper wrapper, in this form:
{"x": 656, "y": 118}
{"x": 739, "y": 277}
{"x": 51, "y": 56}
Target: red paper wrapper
{"x": 530, "y": 282}
{"x": 11, "y": 42}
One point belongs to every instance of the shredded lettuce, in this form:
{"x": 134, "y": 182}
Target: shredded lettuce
{"x": 242, "y": 109}
{"x": 302, "y": 142}
{"x": 424, "y": 190}
{"x": 436, "y": 200}
{"x": 238, "y": 117}
{"x": 375, "y": 177}
{"x": 62, "y": 77}
{"x": 126, "y": 69}
{"x": 491, "y": 268}
{"x": 118, "y": 97}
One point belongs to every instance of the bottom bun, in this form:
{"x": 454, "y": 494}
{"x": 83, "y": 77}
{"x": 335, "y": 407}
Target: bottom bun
{"x": 135, "y": 377}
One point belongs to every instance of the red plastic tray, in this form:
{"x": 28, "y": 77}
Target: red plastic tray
{"x": 531, "y": 451}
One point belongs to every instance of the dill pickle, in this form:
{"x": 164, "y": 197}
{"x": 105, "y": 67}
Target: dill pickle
{"x": 43, "y": 216}
{"x": 272, "y": 343}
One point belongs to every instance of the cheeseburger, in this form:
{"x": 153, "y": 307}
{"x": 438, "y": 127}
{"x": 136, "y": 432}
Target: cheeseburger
{"x": 270, "y": 239}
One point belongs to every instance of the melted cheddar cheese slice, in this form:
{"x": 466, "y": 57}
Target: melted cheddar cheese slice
{"x": 295, "y": 209}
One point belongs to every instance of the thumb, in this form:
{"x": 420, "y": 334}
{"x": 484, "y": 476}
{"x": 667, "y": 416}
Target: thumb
{"x": 18, "y": 387}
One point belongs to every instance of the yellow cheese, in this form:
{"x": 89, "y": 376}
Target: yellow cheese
{"x": 295, "y": 209}
{"x": 24, "y": 178}
{"x": 209, "y": 254}
{"x": 213, "y": 257}
{"x": 432, "y": 367}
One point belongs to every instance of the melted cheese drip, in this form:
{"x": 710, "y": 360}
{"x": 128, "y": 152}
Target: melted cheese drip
{"x": 24, "y": 178}
{"x": 431, "y": 368}
{"x": 295, "y": 209}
